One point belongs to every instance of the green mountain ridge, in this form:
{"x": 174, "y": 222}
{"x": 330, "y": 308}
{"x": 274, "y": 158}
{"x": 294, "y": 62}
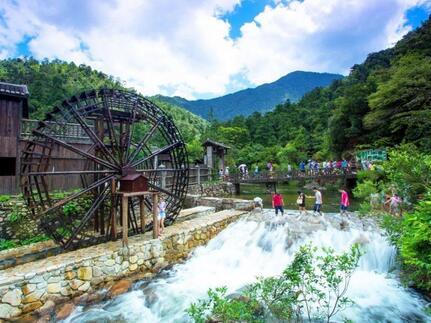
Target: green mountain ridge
{"x": 384, "y": 101}
{"x": 263, "y": 98}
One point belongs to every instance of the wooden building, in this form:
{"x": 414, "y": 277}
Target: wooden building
{"x": 215, "y": 150}
{"x": 13, "y": 108}
{"x": 15, "y": 130}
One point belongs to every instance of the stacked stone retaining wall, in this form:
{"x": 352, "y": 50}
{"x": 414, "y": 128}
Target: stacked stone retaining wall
{"x": 217, "y": 189}
{"x": 38, "y": 286}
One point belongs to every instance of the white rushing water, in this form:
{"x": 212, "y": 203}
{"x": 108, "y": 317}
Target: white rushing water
{"x": 248, "y": 249}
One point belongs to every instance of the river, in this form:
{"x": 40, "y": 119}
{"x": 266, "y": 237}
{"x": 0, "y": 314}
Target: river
{"x": 251, "y": 248}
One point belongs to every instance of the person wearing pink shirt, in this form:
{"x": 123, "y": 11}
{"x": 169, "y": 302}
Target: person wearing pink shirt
{"x": 344, "y": 203}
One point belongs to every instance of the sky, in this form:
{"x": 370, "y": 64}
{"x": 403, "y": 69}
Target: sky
{"x": 205, "y": 48}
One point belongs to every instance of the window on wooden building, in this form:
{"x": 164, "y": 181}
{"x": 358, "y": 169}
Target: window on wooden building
{"x": 7, "y": 166}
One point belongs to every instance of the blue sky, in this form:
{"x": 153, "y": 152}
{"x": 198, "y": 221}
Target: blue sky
{"x": 205, "y": 48}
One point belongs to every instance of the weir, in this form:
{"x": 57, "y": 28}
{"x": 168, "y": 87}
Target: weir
{"x": 261, "y": 245}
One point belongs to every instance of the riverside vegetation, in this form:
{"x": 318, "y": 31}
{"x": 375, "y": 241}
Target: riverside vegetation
{"x": 313, "y": 286}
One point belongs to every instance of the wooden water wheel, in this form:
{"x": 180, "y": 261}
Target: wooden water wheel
{"x": 83, "y": 147}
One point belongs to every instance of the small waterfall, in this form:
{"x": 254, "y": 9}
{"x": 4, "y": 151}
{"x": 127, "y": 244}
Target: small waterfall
{"x": 264, "y": 247}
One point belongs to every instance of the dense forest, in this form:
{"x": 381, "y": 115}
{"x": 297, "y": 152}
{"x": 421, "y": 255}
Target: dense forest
{"x": 50, "y": 82}
{"x": 383, "y": 102}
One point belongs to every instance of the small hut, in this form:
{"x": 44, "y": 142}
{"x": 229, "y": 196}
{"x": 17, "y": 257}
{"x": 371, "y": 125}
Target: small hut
{"x": 214, "y": 149}
{"x": 13, "y": 108}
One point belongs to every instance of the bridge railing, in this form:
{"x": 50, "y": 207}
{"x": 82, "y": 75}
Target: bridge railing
{"x": 286, "y": 175}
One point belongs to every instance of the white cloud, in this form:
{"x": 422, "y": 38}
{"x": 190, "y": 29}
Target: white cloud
{"x": 183, "y": 47}
{"x": 319, "y": 35}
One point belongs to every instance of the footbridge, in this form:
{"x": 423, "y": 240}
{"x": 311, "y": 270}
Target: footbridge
{"x": 271, "y": 179}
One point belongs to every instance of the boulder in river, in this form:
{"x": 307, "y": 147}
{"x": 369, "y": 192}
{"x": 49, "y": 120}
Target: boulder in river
{"x": 119, "y": 287}
{"x": 64, "y": 311}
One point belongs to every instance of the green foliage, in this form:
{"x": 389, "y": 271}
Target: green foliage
{"x": 195, "y": 150}
{"x": 400, "y": 108}
{"x": 7, "y": 244}
{"x": 10, "y": 244}
{"x": 4, "y": 198}
{"x": 415, "y": 244}
{"x": 220, "y": 307}
{"x": 313, "y": 286}
{"x": 409, "y": 171}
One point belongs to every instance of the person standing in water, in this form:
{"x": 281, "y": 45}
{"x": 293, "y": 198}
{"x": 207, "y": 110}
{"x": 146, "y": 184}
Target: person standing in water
{"x": 344, "y": 203}
{"x": 318, "y": 201}
{"x": 277, "y": 203}
{"x": 300, "y": 201}
{"x": 162, "y": 214}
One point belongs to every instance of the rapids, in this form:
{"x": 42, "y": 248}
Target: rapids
{"x": 263, "y": 245}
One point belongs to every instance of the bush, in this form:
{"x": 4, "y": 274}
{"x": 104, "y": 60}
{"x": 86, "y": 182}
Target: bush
{"x": 312, "y": 286}
{"x": 415, "y": 244}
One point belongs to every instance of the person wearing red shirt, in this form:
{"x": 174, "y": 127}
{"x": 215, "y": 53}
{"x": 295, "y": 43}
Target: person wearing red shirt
{"x": 277, "y": 203}
{"x": 344, "y": 203}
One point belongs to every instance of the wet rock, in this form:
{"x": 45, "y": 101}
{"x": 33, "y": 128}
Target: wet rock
{"x": 97, "y": 296}
{"x": 120, "y": 287}
{"x": 64, "y": 311}
{"x": 150, "y": 296}
{"x": 344, "y": 225}
{"x": 361, "y": 240}
{"x": 47, "y": 308}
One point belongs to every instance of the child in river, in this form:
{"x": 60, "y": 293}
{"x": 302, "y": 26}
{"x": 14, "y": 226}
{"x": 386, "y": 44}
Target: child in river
{"x": 162, "y": 215}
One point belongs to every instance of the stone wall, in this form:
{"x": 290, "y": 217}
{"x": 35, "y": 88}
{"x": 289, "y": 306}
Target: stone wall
{"x": 15, "y": 220}
{"x": 38, "y": 286}
{"x": 40, "y": 250}
{"x": 219, "y": 203}
{"x": 218, "y": 189}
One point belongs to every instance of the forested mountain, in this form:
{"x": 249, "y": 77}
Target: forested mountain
{"x": 383, "y": 102}
{"x": 50, "y": 82}
{"x": 262, "y": 98}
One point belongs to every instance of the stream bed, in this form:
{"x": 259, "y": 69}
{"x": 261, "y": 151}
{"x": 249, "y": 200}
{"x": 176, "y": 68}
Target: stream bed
{"x": 263, "y": 245}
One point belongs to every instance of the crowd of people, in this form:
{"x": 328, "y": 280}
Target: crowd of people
{"x": 313, "y": 167}
{"x": 310, "y": 168}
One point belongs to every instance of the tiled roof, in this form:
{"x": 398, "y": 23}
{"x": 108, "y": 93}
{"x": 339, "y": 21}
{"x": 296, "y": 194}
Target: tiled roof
{"x": 210, "y": 142}
{"x": 13, "y": 89}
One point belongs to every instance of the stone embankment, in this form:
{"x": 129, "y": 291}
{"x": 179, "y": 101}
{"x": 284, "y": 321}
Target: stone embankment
{"x": 37, "y": 287}
{"x": 217, "y": 189}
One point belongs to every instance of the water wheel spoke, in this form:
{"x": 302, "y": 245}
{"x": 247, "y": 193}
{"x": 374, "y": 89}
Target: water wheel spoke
{"x": 92, "y": 135}
{"x": 129, "y": 135}
{"x": 97, "y": 202}
{"x": 144, "y": 140}
{"x": 76, "y": 150}
{"x": 72, "y": 172}
{"x": 77, "y": 194}
{"x": 158, "y": 152}
{"x": 160, "y": 189}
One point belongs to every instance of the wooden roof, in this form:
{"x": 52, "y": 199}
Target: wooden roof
{"x": 213, "y": 143}
{"x": 16, "y": 90}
